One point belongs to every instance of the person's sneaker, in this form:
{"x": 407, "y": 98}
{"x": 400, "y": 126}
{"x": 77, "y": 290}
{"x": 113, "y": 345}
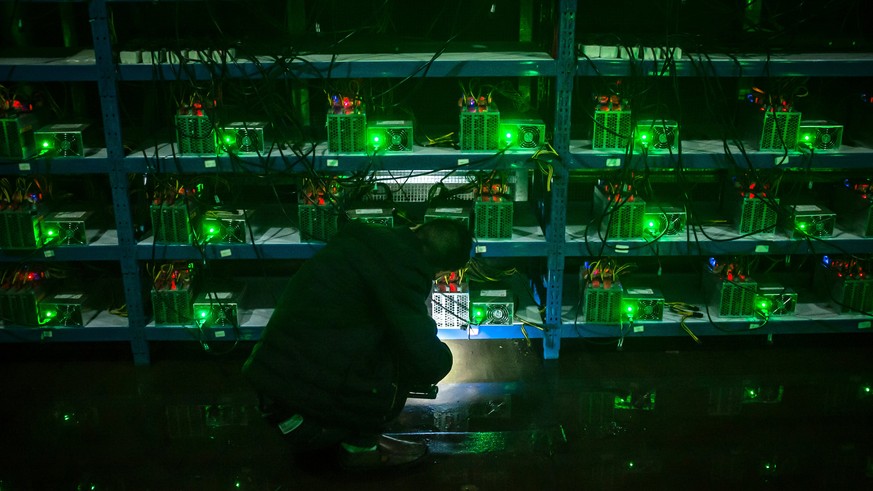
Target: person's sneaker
{"x": 389, "y": 453}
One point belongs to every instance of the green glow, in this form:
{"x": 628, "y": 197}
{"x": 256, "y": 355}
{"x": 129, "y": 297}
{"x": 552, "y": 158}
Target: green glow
{"x": 478, "y": 315}
{"x": 46, "y": 144}
{"x": 867, "y": 389}
{"x": 509, "y": 136}
{"x": 630, "y": 464}
{"x": 50, "y": 232}
{"x": 202, "y": 313}
{"x": 67, "y": 417}
{"x": 644, "y": 137}
{"x": 229, "y": 139}
{"x": 376, "y": 139}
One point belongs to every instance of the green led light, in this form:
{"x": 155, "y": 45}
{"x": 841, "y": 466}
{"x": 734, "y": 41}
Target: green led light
{"x": 651, "y": 224}
{"x": 376, "y": 139}
{"x": 509, "y": 136}
{"x": 49, "y": 314}
{"x": 630, "y": 465}
{"x": 228, "y": 139}
{"x": 801, "y": 225}
{"x": 50, "y": 232}
{"x": 478, "y": 315}
{"x": 46, "y": 144}
{"x": 202, "y": 314}
{"x": 806, "y": 137}
{"x": 644, "y": 137}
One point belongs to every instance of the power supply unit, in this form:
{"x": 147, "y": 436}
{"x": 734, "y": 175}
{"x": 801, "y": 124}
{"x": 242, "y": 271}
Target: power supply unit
{"x": 755, "y": 215}
{"x": 821, "y": 136}
{"x": 16, "y": 135}
{"x": 347, "y": 132}
{"x": 664, "y": 220}
{"x": 218, "y": 307}
{"x": 602, "y": 305}
{"x": 642, "y": 304}
{"x": 731, "y": 297}
{"x": 450, "y": 309}
{"x": 66, "y": 228}
{"x": 459, "y": 213}
{"x": 20, "y": 305}
{"x": 21, "y": 227}
{"x": 853, "y": 203}
{"x": 621, "y": 216}
{"x": 612, "y": 130}
{"x": 479, "y": 129}
{"x": 775, "y": 300}
{"x": 657, "y": 135}
{"x": 195, "y": 135}
{"x": 811, "y": 221}
{"x": 493, "y": 307}
{"x": 242, "y": 138}
{"x": 66, "y": 309}
{"x": 493, "y": 218}
{"x": 223, "y": 226}
{"x": 61, "y": 140}
{"x": 317, "y": 222}
{"x": 846, "y": 284}
{"x": 416, "y": 187}
{"x": 527, "y": 134}
{"x": 171, "y": 306}
{"x": 779, "y": 131}
{"x": 373, "y": 216}
{"x": 390, "y": 136}
{"x": 171, "y": 222}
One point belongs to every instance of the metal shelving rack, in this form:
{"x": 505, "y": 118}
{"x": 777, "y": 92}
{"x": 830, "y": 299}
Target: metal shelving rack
{"x": 555, "y": 243}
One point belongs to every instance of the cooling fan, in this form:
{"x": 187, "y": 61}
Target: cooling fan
{"x": 242, "y": 137}
{"x": 491, "y": 307}
{"x": 61, "y": 140}
{"x": 821, "y": 136}
{"x": 523, "y": 133}
{"x": 496, "y": 315}
{"x": 390, "y": 136}
{"x": 658, "y": 135}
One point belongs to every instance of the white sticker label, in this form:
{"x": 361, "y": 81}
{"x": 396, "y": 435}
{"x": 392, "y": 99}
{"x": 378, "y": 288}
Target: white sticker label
{"x": 641, "y": 291}
{"x": 69, "y": 296}
{"x": 369, "y": 211}
{"x": 763, "y": 248}
{"x": 391, "y": 123}
{"x": 49, "y": 253}
{"x": 66, "y": 126}
{"x": 807, "y": 208}
{"x": 780, "y": 160}
{"x": 864, "y": 325}
{"x": 754, "y": 326}
{"x": 480, "y": 249}
{"x": 219, "y": 334}
{"x": 24, "y": 167}
{"x": 224, "y": 253}
{"x": 613, "y": 162}
{"x": 209, "y": 164}
{"x": 639, "y": 328}
{"x": 449, "y": 210}
{"x": 493, "y": 293}
{"x": 463, "y": 161}
{"x": 70, "y": 214}
{"x": 219, "y": 295}
{"x": 332, "y": 163}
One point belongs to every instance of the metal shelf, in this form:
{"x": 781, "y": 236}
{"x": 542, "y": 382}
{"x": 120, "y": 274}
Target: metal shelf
{"x": 686, "y": 245}
{"x": 811, "y": 318}
{"x": 364, "y": 65}
{"x": 104, "y": 327}
{"x": 164, "y": 158}
{"x": 285, "y": 243}
{"x": 102, "y": 246}
{"x": 94, "y": 162}
{"x": 745, "y": 65}
{"x": 710, "y": 154}
{"x": 78, "y": 67}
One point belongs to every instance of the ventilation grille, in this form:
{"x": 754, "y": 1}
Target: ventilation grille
{"x": 493, "y": 219}
{"x": 450, "y": 310}
{"x": 612, "y": 130}
{"x": 195, "y": 134}
{"x": 603, "y": 306}
{"x": 780, "y": 131}
{"x": 736, "y": 299}
{"x": 347, "y": 133}
{"x": 317, "y": 222}
{"x": 479, "y": 130}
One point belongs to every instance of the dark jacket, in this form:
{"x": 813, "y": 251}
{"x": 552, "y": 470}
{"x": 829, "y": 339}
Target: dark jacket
{"x": 350, "y": 327}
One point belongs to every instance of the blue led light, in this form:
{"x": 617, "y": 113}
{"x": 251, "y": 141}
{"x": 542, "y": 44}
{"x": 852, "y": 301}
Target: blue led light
{"x": 712, "y": 262}
{"x": 826, "y": 260}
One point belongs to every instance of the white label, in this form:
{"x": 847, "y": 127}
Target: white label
{"x": 780, "y": 160}
{"x": 807, "y": 208}
{"x": 224, "y": 253}
{"x": 369, "y": 211}
{"x": 24, "y": 167}
{"x": 70, "y": 214}
{"x": 220, "y": 295}
{"x": 219, "y": 334}
{"x": 641, "y": 291}
{"x": 463, "y": 161}
{"x": 49, "y": 253}
{"x": 762, "y": 248}
{"x": 391, "y": 123}
{"x": 864, "y": 325}
{"x": 46, "y": 334}
{"x": 493, "y": 293}
{"x": 639, "y": 328}
{"x": 480, "y": 249}
{"x": 449, "y": 210}
{"x": 754, "y": 326}
{"x": 209, "y": 164}
{"x": 613, "y": 162}
{"x": 66, "y": 127}
{"x": 332, "y": 163}
{"x": 69, "y": 296}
